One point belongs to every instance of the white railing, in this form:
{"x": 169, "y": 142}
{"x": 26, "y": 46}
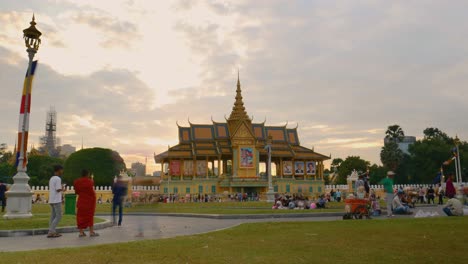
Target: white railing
{"x": 378, "y": 187}
{"x": 98, "y": 188}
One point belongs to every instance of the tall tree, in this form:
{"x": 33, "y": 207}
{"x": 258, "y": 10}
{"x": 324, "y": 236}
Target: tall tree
{"x": 391, "y": 155}
{"x": 394, "y": 133}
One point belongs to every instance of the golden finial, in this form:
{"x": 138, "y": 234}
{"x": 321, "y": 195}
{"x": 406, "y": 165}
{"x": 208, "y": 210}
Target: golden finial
{"x": 238, "y": 111}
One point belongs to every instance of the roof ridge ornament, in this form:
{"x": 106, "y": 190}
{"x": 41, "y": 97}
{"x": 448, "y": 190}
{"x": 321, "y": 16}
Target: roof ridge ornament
{"x": 238, "y": 110}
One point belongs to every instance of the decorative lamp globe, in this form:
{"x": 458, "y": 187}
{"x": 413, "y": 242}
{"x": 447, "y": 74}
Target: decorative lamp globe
{"x": 32, "y": 36}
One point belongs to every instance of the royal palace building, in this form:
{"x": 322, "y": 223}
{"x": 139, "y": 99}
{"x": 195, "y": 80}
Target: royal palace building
{"x": 230, "y": 157}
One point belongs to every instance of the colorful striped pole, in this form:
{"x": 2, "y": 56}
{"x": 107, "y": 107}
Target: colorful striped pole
{"x": 20, "y": 195}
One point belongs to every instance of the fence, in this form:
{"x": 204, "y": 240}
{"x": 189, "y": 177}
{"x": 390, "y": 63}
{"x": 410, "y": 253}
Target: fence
{"x": 380, "y": 187}
{"x": 98, "y": 188}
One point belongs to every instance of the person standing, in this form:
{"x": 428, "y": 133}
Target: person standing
{"x": 86, "y": 205}
{"x": 440, "y": 193}
{"x": 449, "y": 188}
{"x": 430, "y": 195}
{"x": 119, "y": 190}
{"x": 55, "y": 200}
{"x": 338, "y": 196}
{"x": 421, "y": 194}
{"x": 388, "y": 187}
{"x": 3, "y": 190}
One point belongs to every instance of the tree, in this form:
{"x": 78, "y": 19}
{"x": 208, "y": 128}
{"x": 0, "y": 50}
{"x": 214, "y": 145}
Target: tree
{"x": 432, "y": 133}
{"x": 391, "y": 155}
{"x": 103, "y": 164}
{"x": 376, "y": 173}
{"x": 41, "y": 168}
{"x": 394, "y": 133}
{"x": 348, "y": 165}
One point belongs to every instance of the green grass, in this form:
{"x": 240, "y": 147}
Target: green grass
{"x": 38, "y": 221}
{"x": 204, "y": 208}
{"x": 423, "y": 240}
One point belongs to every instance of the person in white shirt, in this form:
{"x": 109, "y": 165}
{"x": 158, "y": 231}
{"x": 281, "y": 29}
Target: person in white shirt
{"x": 398, "y": 207}
{"x": 55, "y": 200}
{"x": 453, "y": 207}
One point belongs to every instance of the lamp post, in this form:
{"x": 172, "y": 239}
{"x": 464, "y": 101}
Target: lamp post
{"x": 19, "y": 195}
{"x": 271, "y": 192}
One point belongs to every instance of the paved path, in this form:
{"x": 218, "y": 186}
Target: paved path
{"x": 154, "y": 227}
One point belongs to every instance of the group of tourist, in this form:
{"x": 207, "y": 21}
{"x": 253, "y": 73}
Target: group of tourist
{"x": 299, "y": 202}
{"x": 86, "y": 203}
{"x": 399, "y": 204}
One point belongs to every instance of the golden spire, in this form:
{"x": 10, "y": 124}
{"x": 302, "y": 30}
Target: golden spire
{"x": 238, "y": 111}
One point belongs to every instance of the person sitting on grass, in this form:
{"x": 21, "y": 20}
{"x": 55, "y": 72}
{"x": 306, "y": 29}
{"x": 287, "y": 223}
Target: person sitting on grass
{"x": 453, "y": 207}
{"x": 398, "y": 206}
{"x": 321, "y": 202}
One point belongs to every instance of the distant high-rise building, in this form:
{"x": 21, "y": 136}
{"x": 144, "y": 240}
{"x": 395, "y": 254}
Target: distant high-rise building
{"x": 49, "y": 140}
{"x": 403, "y": 144}
{"x": 67, "y": 149}
{"x": 138, "y": 169}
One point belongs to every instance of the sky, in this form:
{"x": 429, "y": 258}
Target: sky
{"x": 120, "y": 73}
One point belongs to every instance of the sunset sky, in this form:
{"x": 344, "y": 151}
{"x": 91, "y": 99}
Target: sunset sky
{"x": 120, "y": 73}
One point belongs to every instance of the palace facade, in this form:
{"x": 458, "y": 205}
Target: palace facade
{"x": 230, "y": 157}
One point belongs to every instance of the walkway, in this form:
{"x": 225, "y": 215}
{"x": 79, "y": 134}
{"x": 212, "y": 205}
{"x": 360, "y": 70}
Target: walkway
{"x": 153, "y": 227}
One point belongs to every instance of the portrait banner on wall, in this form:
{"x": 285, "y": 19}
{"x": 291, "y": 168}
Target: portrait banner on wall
{"x": 310, "y": 168}
{"x": 175, "y": 167}
{"x": 299, "y": 168}
{"x": 287, "y": 168}
{"x": 246, "y": 157}
{"x": 188, "y": 167}
{"x": 201, "y": 167}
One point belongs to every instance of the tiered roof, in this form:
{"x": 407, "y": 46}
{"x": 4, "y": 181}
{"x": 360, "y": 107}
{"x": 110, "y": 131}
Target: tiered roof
{"x": 214, "y": 140}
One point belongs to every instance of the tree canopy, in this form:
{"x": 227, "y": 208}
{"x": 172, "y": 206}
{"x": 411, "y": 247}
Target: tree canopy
{"x": 41, "y": 168}
{"x": 103, "y": 164}
{"x": 394, "y": 133}
{"x": 348, "y": 165}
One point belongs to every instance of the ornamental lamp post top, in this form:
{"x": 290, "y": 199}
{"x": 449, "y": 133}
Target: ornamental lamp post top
{"x": 32, "y": 36}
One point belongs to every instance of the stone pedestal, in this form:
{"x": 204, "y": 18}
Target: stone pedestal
{"x": 270, "y": 195}
{"x": 19, "y": 197}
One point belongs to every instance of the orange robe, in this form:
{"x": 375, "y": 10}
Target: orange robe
{"x": 86, "y": 205}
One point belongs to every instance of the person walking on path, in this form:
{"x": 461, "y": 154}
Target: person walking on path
{"x": 86, "y": 205}
{"x": 119, "y": 190}
{"x": 55, "y": 200}
{"x": 388, "y": 187}
{"x": 3, "y": 190}
{"x": 449, "y": 188}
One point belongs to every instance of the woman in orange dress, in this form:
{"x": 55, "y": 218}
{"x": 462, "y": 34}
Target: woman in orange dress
{"x": 86, "y": 205}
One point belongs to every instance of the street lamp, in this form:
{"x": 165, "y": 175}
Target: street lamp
{"x": 271, "y": 192}
{"x": 19, "y": 195}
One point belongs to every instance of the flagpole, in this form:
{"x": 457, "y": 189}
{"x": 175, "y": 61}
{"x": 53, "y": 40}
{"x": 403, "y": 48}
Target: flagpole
{"x": 19, "y": 195}
{"x": 459, "y": 166}
{"x": 457, "y": 160}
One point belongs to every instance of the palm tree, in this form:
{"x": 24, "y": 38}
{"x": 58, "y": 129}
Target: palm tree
{"x": 394, "y": 133}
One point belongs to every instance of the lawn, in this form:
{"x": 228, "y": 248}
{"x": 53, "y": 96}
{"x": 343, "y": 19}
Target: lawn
{"x": 38, "y": 221}
{"x": 423, "y": 240}
{"x": 204, "y": 208}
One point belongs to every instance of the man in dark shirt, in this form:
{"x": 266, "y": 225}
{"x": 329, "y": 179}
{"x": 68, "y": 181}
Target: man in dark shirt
{"x": 120, "y": 191}
{"x": 430, "y": 195}
{"x": 3, "y": 190}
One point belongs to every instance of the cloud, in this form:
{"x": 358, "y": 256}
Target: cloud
{"x": 116, "y": 33}
{"x": 343, "y": 70}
